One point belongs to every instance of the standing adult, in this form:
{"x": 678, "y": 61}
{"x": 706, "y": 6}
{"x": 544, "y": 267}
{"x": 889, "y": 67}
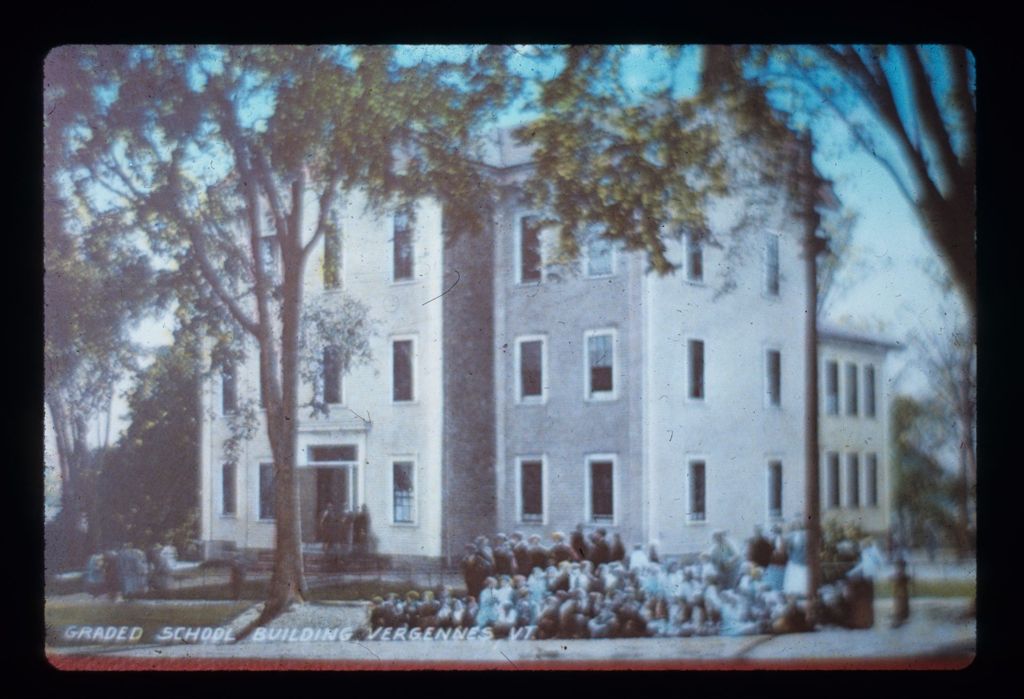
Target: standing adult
{"x": 521, "y": 553}
{"x": 795, "y": 580}
{"x": 330, "y": 524}
{"x": 759, "y": 548}
{"x": 504, "y": 563}
{"x": 578, "y": 543}
{"x": 600, "y": 551}
{"x": 618, "y": 549}
{"x": 774, "y": 574}
{"x": 361, "y": 530}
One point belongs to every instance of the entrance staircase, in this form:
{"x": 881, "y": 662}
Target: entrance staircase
{"x": 316, "y": 562}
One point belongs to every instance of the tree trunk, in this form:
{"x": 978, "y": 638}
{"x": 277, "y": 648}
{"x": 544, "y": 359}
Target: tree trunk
{"x": 288, "y": 580}
{"x": 812, "y": 248}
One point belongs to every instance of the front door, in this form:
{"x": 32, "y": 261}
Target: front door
{"x": 332, "y": 488}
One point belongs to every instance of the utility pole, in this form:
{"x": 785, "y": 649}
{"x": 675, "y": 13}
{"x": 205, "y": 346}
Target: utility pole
{"x": 813, "y": 246}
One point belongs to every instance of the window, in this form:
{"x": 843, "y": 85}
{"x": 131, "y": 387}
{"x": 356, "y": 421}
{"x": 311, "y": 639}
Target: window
{"x": 851, "y": 389}
{"x": 695, "y": 351}
{"x": 602, "y": 490}
{"x": 773, "y": 366}
{"x": 229, "y": 390}
{"x": 403, "y": 260}
{"x": 771, "y": 264}
{"x": 341, "y": 454}
{"x": 775, "y": 489}
{"x": 402, "y": 492}
{"x": 832, "y": 388}
{"x": 332, "y": 376}
{"x": 531, "y": 370}
{"x": 599, "y": 256}
{"x": 600, "y": 380}
{"x": 833, "y": 479}
{"x": 401, "y": 370}
{"x": 531, "y": 490}
{"x": 529, "y": 250}
{"x": 695, "y": 475}
{"x": 869, "y": 390}
{"x": 694, "y": 258}
{"x": 266, "y": 505}
{"x": 871, "y": 476}
{"x": 853, "y": 480}
{"x": 332, "y": 258}
{"x": 268, "y": 253}
{"x": 227, "y": 497}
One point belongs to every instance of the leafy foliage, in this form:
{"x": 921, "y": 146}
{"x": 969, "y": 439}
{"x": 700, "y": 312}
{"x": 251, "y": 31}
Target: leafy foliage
{"x": 923, "y": 489}
{"x": 335, "y": 323}
{"x": 148, "y": 487}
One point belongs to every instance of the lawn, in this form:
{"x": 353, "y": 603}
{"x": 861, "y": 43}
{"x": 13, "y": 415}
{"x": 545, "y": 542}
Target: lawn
{"x": 931, "y": 588}
{"x": 151, "y": 617}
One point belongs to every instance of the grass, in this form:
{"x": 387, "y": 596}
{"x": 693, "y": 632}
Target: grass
{"x": 151, "y": 617}
{"x": 931, "y": 588}
{"x": 256, "y": 591}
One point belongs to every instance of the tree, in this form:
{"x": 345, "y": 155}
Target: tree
{"x": 948, "y": 358}
{"x": 912, "y": 108}
{"x": 94, "y": 290}
{"x": 230, "y": 162}
{"x": 148, "y": 487}
{"x": 921, "y": 491}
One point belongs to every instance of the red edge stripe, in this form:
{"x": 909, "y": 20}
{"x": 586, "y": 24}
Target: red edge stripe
{"x": 103, "y": 664}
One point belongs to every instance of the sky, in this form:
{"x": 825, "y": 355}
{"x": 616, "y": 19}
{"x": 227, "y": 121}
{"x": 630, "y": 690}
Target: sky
{"x": 887, "y": 288}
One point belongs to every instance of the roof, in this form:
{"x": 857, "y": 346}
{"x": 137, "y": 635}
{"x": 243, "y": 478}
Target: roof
{"x": 831, "y": 331}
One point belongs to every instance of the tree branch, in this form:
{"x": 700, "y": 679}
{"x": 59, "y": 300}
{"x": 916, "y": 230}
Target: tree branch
{"x": 963, "y": 103}
{"x": 930, "y": 117}
{"x": 326, "y": 203}
{"x": 210, "y": 274}
{"x": 880, "y": 96}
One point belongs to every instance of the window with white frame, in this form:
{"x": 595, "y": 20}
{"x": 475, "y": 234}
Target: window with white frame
{"x": 530, "y": 370}
{"x": 599, "y": 254}
{"x": 869, "y": 390}
{"x": 402, "y": 247}
{"x": 403, "y": 492}
{"x": 775, "y": 489}
{"x": 773, "y": 377}
{"x": 696, "y": 485}
{"x": 832, "y": 387}
{"x": 228, "y": 490}
{"x": 832, "y": 464}
{"x": 694, "y": 257}
{"x": 332, "y": 258}
{"x": 600, "y": 377}
{"x": 332, "y": 376}
{"x": 402, "y": 355}
{"x": 871, "y": 478}
{"x": 695, "y": 360}
{"x": 771, "y": 264}
{"x": 853, "y": 479}
{"x": 601, "y": 471}
{"x": 851, "y": 389}
{"x": 531, "y": 490}
{"x": 530, "y": 258}
{"x": 228, "y": 390}
{"x": 266, "y": 492}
